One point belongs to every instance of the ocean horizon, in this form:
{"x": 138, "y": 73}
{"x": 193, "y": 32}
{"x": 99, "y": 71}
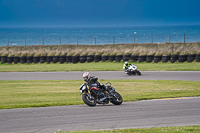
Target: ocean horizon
{"x": 98, "y": 35}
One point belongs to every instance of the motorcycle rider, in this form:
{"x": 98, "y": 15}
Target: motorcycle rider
{"x": 89, "y": 80}
{"x": 126, "y": 65}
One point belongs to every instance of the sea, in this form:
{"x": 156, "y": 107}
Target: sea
{"x": 98, "y": 36}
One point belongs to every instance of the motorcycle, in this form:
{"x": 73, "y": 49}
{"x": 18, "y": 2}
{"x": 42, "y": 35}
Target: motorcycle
{"x": 91, "y": 95}
{"x": 132, "y": 69}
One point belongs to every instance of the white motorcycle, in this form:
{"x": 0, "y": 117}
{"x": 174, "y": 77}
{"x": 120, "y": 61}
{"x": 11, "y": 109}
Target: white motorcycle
{"x": 132, "y": 69}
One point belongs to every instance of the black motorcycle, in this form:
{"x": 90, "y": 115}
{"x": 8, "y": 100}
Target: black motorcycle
{"x": 91, "y": 95}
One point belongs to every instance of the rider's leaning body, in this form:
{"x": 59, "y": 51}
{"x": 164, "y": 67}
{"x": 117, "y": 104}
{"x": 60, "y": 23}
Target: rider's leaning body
{"x": 126, "y": 65}
{"x": 89, "y": 80}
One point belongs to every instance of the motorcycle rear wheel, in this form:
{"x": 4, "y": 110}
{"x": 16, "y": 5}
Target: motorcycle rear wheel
{"x": 89, "y": 101}
{"x": 133, "y": 72}
{"x": 138, "y": 72}
{"x": 117, "y": 100}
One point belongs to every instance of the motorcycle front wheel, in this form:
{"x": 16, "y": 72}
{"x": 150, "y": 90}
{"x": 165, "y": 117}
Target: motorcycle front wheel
{"x": 89, "y": 100}
{"x": 117, "y": 100}
{"x": 138, "y": 72}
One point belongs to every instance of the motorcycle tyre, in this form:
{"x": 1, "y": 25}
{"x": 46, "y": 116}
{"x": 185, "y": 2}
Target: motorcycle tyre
{"x": 138, "y": 72}
{"x": 133, "y": 72}
{"x": 115, "y": 102}
{"x": 88, "y": 102}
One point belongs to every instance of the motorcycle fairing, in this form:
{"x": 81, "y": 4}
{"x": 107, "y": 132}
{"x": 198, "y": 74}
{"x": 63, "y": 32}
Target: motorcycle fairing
{"x": 95, "y": 88}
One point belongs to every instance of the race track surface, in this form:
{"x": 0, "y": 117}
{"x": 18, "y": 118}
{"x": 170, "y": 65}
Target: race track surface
{"x": 146, "y": 75}
{"x": 140, "y": 114}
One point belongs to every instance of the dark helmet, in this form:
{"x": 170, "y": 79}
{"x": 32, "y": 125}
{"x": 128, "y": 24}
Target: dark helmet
{"x": 86, "y": 76}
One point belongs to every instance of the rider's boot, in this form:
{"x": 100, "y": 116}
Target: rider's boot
{"x": 103, "y": 97}
{"x": 126, "y": 71}
{"x": 101, "y": 100}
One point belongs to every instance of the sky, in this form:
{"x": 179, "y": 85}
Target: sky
{"x": 98, "y": 13}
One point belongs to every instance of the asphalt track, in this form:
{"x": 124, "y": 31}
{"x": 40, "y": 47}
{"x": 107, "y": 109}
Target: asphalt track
{"x": 140, "y": 114}
{"x": 146, "y": 75}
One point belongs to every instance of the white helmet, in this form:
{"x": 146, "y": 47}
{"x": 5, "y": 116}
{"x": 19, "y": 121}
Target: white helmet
{"x": 86, "y": 76}
{"x": 126, "y": 63}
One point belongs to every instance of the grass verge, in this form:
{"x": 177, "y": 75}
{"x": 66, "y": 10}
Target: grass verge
{"x": 99, "y": 66}
{"x": 42, "y": 93}
{"x": 176, "y": 129}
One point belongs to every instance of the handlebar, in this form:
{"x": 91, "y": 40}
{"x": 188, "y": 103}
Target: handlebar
{"x": 108, "y": 83}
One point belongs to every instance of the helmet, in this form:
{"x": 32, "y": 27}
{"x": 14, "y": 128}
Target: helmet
{"x": 86, "y": 76}
{"x": 126, "y": 63}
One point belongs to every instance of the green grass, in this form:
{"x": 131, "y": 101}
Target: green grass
{"x": 42, "y": 93}
{"x": 99, "y": 66}
{"x": 176, "y": 129}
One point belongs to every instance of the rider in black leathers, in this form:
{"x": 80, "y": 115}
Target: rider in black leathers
{"x": 89, "y": 80}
